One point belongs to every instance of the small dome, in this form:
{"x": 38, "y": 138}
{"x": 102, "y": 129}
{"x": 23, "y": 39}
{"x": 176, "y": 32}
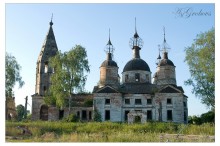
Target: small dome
{"x": 136, "y": 64}
{"x": 107, "y": 63}
{"x": 165, "y": 62}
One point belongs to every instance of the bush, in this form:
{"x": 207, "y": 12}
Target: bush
{"x": 208, "y": 117}
{"x": 88, "y": 102}
{"x": 71, "y": 118}
{"x": 97, "y": 116}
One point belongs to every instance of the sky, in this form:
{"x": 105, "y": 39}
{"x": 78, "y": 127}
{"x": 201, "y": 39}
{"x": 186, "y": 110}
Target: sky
{"x": 26, "y": 26}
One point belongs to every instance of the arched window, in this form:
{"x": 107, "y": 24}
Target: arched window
{"x": 147, "y": 77}
{"x": 137, "y": 77}
{"x": 44, "y": 112}
{"x": 46, "y": 67}
{"x": 126, "y": 78}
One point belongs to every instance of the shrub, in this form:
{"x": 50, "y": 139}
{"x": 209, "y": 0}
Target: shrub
{"x": 88, "y": 102}
{"x": 71, "y": 118}
{"x": 97, "y": 116}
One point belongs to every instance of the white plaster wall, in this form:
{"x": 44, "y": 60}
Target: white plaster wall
{"x": 131, "y": 76}
{"x": 118, "y": 107}
{"x": 176, "y": 106}
{"x": 165, "y": 75}
{"x": 114, "y": 106}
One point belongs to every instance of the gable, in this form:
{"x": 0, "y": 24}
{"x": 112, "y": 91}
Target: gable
{"x": 107, "y": 89}
{"x": 169, "y": 89}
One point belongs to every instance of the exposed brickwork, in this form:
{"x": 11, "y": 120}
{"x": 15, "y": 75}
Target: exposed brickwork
{"x": 10, "y": 110}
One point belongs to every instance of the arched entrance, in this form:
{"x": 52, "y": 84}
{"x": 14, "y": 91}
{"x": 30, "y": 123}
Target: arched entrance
{"x": 44, "y": 113}
{"x": 137, "y": 117}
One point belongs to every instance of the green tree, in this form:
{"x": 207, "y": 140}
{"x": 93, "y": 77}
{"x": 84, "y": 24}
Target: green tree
{"x": 208, "y": 117}
{"x": 12, "y": 74}
{"x": 20, "y": 112}
{"x": 97, "y": 116}
{"x": 200, "y": 57}
{"x": 68, "y": 76}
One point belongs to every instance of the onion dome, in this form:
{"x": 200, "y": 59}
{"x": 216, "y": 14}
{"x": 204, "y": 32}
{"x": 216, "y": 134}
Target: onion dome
{"x": 165, "y": 60}
{"x": 136, "y": 64}
{"x": 165, "y": 47}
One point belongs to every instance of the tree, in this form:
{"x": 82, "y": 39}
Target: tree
{"x": 200, "y": 57}
{"x": 68, "y": 76}
{"x": 12, "y": 74}
{"x": 208, "y": 117}
{"x": 97, "y": 116}
{"x": 20, "y": 112}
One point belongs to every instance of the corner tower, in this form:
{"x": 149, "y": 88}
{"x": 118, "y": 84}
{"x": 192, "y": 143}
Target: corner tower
{"x": 109, "y": 68}
{"x": 136, "y": 70}
{"x": 165, "y": 73}
{"x": 43, "y": 71}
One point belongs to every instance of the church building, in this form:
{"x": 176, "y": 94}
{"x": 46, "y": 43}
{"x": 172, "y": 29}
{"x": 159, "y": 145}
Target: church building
{"x": 134, "y": 97}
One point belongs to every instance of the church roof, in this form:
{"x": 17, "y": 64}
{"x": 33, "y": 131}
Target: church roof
{"x": 105, "y": 89}
{"x": 136, "y": 64}
{"x": 171, "y": 89}
{"x": 165, "y": 61}
{"x": 138, "y": 88}
{"x": 49, "y": 47}
{"x": 109, "y": 61}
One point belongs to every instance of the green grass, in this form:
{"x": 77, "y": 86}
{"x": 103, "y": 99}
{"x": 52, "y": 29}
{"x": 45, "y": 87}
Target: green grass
{"x": 106, "y": 132}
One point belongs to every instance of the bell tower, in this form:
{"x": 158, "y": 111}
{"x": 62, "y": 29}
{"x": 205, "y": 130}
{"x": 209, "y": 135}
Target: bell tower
{"x": 43, "y": 70}
{"x": 165, "y": 73}
{"x": 109, "y": 68}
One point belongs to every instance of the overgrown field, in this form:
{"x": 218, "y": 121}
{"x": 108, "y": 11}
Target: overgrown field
{"x": 109, "y": 132}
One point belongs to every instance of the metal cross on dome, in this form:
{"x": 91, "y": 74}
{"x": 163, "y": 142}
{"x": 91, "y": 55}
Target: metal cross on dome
{"x": 109, "y": 47}
{"x": 164, "y": 47}
{"x": 136, "y": 41}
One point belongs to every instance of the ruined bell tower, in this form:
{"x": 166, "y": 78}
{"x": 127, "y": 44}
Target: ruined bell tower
{"x": 43, "y": 71}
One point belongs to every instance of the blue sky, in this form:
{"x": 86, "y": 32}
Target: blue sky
{"x": 88, "y": 25}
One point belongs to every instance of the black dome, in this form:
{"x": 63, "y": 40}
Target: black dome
{"x": 109, "y": 63}
{"x": 136, "y": 64}
{"x": 164, "y": 62}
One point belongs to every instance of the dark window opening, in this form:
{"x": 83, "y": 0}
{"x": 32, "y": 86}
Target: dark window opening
{"x": 44, "y": 113}
{"x": 169, "y": 101}
{"x": 78, "y": 114}
{"x": 126, "y": 78}
{"x": 184, "y": 104}
{"x": 126, "y": 115}
{"x": 90, "y": 115}
{"x": 137, "y": 77}
{"x": 149, "y": 101}
{"x": 147, "y": 77}
{"x": 169, "y": 115}
{"x": 137, "y": 119}
{"x": 107, "y": 115}
{"x": 138, "y": 101}
{"x": 84, "y": 115}
{"x": 185, "y": 116}
{"x": 149, "y": 115}
{"x": 45, "y": 88}
{"x": 127, "y": 101}
{"x": 61, "y": 114}
{"x": 107, "y": 101}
